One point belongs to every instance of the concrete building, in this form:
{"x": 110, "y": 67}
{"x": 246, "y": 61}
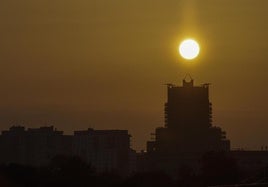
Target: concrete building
{"x": 34, "y": 146}
{"x": 106, "y": 150}
{"x": 188, "y": 122}
{"x": 188, "y": 131}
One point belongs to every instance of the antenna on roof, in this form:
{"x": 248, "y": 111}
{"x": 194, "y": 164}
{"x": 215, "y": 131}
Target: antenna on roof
{"x": 188, "y": 76}
{"x": 189, "y": 83}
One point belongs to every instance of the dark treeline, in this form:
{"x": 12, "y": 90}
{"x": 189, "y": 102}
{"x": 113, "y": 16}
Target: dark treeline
{"x": 216, "y": 169}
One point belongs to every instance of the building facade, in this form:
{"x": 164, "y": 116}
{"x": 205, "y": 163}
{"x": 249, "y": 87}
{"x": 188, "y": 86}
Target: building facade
{"x": 105, "y": 150}
{"x": 188, "y": 130}
{"x": 188, "y": 122}
{"x": 33, "y": 146}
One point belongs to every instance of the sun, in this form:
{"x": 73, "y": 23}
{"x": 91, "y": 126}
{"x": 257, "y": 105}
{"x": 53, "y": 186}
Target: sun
{"x": 189, "y": 49}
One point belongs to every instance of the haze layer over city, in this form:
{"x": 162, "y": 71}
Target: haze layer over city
{"x": 104, "y": 64}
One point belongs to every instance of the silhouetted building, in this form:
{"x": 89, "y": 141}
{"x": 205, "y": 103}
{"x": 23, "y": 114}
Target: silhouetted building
{"x": 106, "y": 150}
{"x": 35, "y": 146}
{"x": 188, "y": 122}
{"x": 188, "y": 130}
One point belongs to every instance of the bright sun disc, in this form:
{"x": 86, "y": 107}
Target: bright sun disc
{"x": 189, "y": 49}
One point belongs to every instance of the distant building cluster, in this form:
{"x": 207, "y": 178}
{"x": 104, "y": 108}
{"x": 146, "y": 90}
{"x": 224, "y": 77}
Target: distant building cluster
{"x": 187, "y": 135}
{"x": 33, "y": 146}
{"x": 105, "y": 150}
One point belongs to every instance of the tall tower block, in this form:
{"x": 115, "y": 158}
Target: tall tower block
{"x": 188, "y": 123}
{"x": 188, "y": 107}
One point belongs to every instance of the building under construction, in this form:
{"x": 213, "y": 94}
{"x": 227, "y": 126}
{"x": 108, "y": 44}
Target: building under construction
{"x": 188, "y": 130}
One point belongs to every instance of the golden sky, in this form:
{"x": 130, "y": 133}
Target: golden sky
{"x": 103, "y": 63}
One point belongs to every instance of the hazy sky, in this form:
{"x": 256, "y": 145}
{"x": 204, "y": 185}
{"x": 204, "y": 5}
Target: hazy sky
{"x": 103, "y": 63}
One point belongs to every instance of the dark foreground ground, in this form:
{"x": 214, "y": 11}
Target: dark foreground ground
{"x": 216, "y": 170}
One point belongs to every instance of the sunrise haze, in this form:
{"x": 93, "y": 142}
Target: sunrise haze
{"x": 104, "y": 64}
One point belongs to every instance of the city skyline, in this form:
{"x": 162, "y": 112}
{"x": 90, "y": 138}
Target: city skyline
{"x": 103, "y": 64}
